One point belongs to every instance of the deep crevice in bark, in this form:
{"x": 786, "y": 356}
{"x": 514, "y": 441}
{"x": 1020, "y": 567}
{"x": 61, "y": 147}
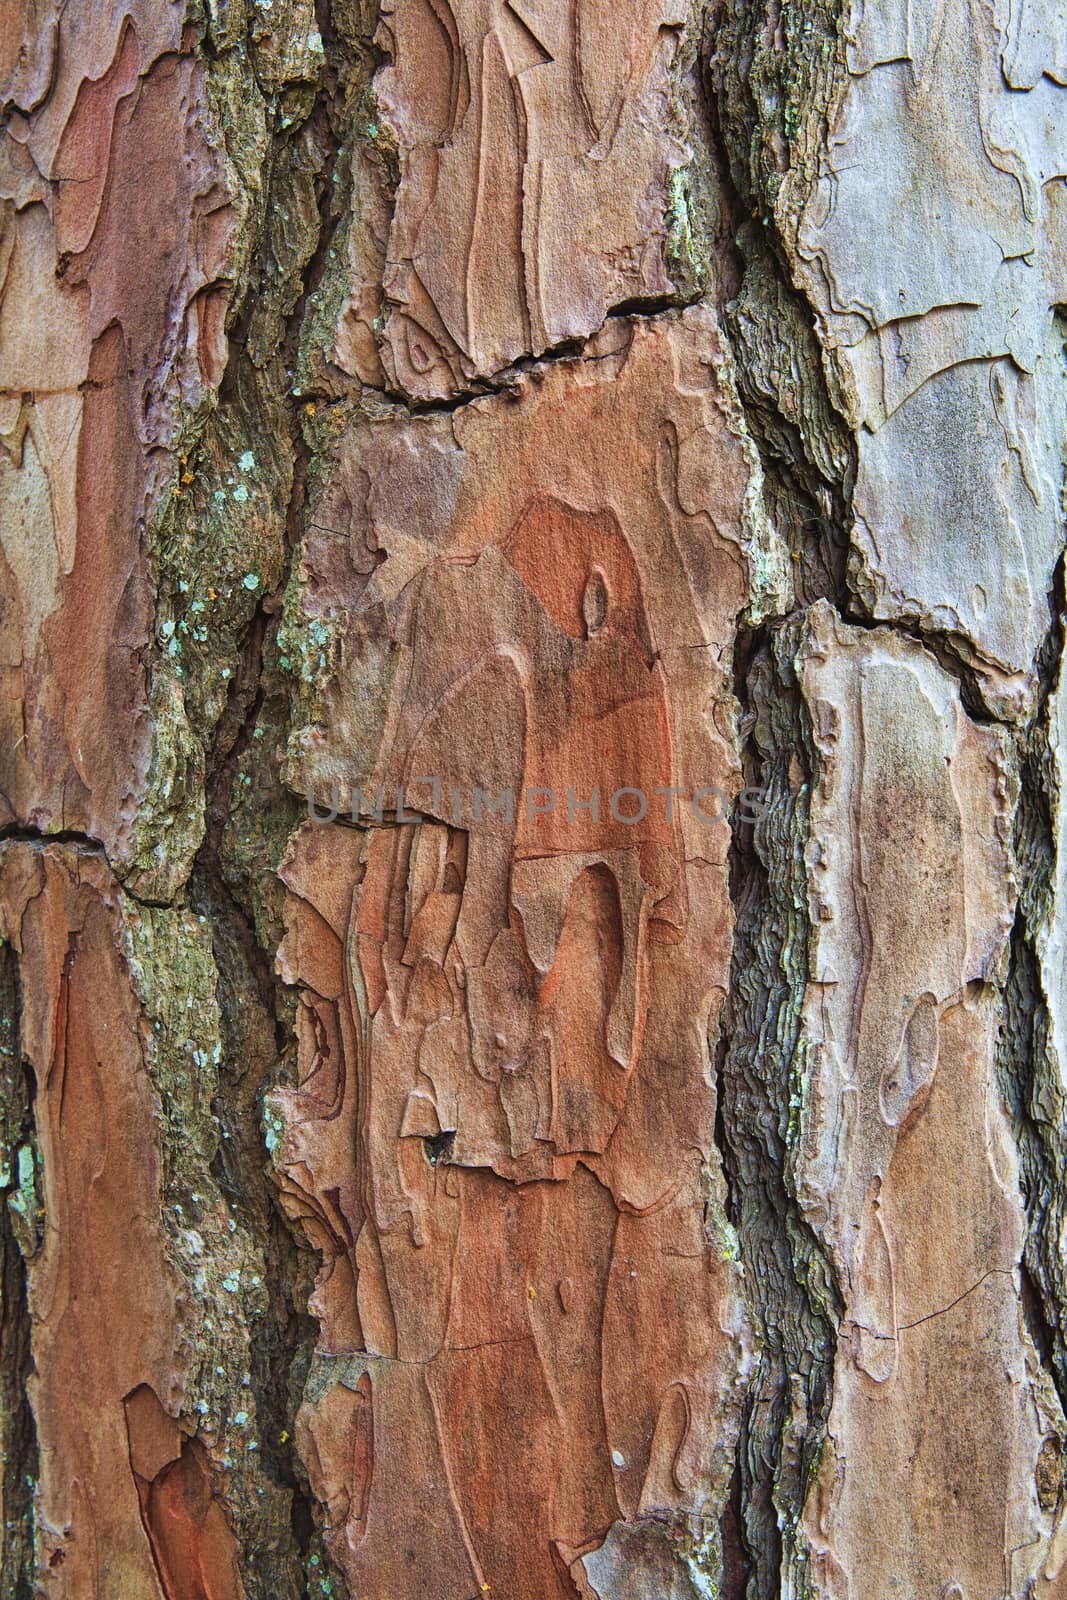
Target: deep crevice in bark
{"x": 20, "y": 833}
{"x": 1026, "y": 1063}
{"x": 807, "y": 452}
{"x": 790, "y": 1282}
{"x": 230, "y": 882}
{"x": 508, "y": 378}
{"x": 736, "y": 1558}
{"x": 808, "y": 461}
{"x": 19, "y": 1238}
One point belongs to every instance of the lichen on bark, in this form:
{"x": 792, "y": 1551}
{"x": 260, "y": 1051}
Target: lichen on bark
{"x": 565, "y": 1202}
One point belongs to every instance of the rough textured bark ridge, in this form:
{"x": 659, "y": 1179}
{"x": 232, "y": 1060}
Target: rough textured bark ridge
{"x": 532, "y": 821}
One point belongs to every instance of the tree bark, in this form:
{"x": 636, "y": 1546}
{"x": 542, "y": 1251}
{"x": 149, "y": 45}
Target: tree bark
{"x": 533, "y": 1048}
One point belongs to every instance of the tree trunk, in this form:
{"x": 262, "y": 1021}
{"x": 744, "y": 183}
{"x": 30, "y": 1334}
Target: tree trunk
{"x": 534, "y": 1044}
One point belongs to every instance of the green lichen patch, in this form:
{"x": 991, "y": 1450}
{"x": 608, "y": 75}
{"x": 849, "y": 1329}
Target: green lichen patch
{"x": 219, "y": 547}
{"x": 685, "y": 264}
{"x": 214, "y": 1244}
{"x": 237, "y": 125}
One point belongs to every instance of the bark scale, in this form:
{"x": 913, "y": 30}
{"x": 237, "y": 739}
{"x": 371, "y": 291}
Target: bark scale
{"x": 533, "y": 1041}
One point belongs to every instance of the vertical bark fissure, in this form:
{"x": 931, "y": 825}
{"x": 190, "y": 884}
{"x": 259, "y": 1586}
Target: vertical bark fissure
{"x": 1029, "y": 1074}
{"x": 20, "y": 1225}
{"x": 791, "y": 1284}
{"x": 761, "y": 106}
{"x": 237, "y": 674}
{"x": 807, "y": 458}
{"x": 233, "y": 880}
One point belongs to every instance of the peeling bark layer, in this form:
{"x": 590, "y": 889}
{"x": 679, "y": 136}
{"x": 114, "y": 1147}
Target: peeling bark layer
{"x": 106, "y": 1344}
{"x": 944, "y": 339}
{"x": 533, "y": 1329}
{"x": 119, "y": 242}
{"x": 534, "y": 149}
{"x": 905, "y": 1167}
{"x": 533, "y": 839}
{"x": 918, "y": 1113}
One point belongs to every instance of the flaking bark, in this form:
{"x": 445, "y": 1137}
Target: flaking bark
{"x": 400, "y": 405}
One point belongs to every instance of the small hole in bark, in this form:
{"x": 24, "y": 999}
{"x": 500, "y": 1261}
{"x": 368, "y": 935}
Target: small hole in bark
{"x": 439, "y": 1148}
